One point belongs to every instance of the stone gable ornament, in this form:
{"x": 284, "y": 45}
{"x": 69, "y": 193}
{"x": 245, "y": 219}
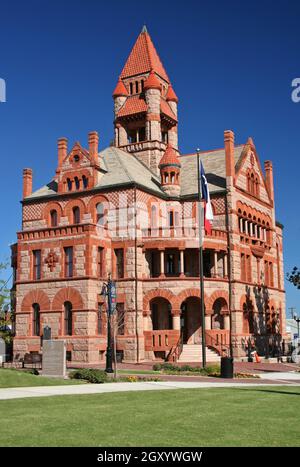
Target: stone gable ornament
{"x": 51, "y": 260}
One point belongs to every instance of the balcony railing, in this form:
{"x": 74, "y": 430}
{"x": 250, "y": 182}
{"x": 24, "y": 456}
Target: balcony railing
{"x": 181, "y": 232}
{"x": 161, "y": 340}
{"x": 143, "y": 145}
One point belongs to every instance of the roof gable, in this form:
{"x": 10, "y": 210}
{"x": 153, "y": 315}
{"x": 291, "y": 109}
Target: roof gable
{"x": 248, "y": 161}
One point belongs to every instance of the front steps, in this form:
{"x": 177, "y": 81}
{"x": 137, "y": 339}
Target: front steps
{"x": 193, "y": 353}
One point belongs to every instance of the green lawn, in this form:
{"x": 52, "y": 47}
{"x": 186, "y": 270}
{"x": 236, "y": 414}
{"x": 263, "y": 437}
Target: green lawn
{"x": 14, "y": 379}
{"x": 265, "y": 416}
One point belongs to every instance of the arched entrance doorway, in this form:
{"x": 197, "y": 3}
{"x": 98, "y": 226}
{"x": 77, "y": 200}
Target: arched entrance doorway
{"x": 161, "y": 314}
{"x": 191, "y": 322}
{"x": 217, "y": 318}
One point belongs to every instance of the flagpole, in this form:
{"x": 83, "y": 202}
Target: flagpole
{"x": 200, "y": 223}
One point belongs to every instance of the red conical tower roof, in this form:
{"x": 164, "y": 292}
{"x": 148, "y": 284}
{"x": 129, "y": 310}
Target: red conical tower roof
{"x": 170, "y": 157}
{"x": 143, "y": 58}
{"x": 171, "y": 96}
{"x": 152, "y": 82}
{"x": 120, "y": 89}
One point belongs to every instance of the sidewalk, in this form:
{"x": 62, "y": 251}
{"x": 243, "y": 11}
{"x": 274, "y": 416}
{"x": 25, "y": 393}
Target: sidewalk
{"x": 44, "y": 391}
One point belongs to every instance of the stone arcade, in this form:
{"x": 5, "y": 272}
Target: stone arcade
{"x": 131, "y": 210}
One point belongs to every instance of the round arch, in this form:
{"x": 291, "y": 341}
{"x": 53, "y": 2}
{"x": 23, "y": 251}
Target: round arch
{"x": 67, "y": 294}
{"x": 35, "y": 296}
{"x": 157, "y": 293}
{"x": 52, "y": 206}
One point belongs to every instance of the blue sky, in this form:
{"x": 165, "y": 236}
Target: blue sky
{"x": 231, "y": 64}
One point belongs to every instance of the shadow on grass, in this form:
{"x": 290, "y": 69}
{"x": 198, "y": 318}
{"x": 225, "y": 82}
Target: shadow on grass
{"x": 274, "y": 391}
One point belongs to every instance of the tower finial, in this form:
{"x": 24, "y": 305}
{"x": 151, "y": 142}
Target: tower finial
{"x": 144, "y": 29}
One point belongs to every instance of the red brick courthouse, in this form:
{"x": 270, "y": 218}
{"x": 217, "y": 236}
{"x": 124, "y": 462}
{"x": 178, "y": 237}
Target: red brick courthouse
{"x": 131, "y": 210}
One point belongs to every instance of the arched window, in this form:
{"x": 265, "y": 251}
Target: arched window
{"x": 77, "y": 183}
{"x": 142, "y": 85}
{"x": 69, "y": 184}
{"x": 248, "y": 318}
{"x": 68, "y": 318}
{"x": 36, "y": 319}
{"x": 137, "y": 87}
{"x": 256, "y": 186}
{"x": 76, "y": 215}
{"x": 53, "y": 218}
{"x": 100, "y": 214}
{"x": 131, "y": 88}
{"x": 85, "y": 181}
{"x": 153, "y": 216}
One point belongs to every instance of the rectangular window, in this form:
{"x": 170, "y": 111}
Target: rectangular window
{"x": 171, "y": 218}
{"x": 119, "y": 253}
{"x": 120, "y": 319}
{"x": 271, "y": 274}
{"x": 266, "y": 273}
{"x": 100, "y": 314}
{"x": 100, "y": 262}
{"x": 37, "y": 265}
{"x": 170, "y": 263}
{"x": 68, "y": 261}
{"x": 243, "y": 267}
{"x": 248, "y": 268}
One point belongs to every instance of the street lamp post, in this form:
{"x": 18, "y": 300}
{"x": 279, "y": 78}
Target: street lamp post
{"x": 297, "y": 319}
{"x": 109, "y": 290}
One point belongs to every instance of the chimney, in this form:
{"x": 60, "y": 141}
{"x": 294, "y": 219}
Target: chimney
{"x": 229, "y": 153}
{"x": 27, "y": 182}
{"x": 269, "y": 178}
{"x": 94, "y": 146}
{"x": 62, "y": 149}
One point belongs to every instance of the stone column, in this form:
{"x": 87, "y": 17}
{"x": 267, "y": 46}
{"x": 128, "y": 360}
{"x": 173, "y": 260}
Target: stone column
{"x": 225, "y": 265}
{"x": 176, "y": 321}
{"x": 241, "y": 224}
{"x": 162, "y": 263}
{"x": 226, "y": 322}
{"x": 123, "y": 140}
{"x": 145, "y": 322}
{"x": 215, "y": 263}
{"x": 207, "y": 322}
{"x": 250, "y": 229}
{"x": 181, "y": 263}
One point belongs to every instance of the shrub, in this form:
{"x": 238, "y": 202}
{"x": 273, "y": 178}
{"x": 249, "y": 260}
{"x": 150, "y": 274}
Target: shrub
{"x": 90, "y": 375}
{"x": 157, "y": 367}
{"x": 32, "y": 371}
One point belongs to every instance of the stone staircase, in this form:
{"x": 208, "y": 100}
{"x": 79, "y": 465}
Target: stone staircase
{"x": 193, "y": 353}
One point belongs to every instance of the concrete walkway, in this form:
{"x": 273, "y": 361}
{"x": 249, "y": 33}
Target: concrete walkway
{"x": 44, "y": 391}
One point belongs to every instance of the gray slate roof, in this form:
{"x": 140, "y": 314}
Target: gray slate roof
{"x": 214, "y": 167}
{"x": 121, "y": 168}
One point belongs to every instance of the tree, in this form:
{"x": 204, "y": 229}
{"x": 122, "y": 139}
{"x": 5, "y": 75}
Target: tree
{"x": 5, "y": 321}
{"x": 294, "y": 277}
{"x": 117, "y": 326}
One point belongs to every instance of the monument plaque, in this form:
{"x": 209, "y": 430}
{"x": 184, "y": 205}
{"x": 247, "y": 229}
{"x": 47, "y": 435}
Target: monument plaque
{"x": 47, "y": 333}
{"x": 54, "y": 358}
{"x": 2, "y": 351}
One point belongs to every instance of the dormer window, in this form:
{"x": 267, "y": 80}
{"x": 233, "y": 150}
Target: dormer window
{"x": 77, "y": 183}
{"x": 69, "y": 184}
{"x": 85, "y": 181}
{"x": 131, "y": 88}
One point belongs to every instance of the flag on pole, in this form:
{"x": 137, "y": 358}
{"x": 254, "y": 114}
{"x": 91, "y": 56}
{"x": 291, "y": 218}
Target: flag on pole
{"x": 208, "y": 212}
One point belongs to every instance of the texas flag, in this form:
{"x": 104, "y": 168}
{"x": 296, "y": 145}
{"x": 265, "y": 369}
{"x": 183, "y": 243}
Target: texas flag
{"x": 208, "y": 212}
